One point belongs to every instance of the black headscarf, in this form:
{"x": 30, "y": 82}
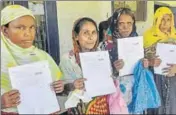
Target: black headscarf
{"x": 115, "y": 32}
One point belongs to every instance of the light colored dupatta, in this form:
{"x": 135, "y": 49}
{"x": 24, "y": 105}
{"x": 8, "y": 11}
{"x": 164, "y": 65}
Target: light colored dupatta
{"x": 13, "y": 55}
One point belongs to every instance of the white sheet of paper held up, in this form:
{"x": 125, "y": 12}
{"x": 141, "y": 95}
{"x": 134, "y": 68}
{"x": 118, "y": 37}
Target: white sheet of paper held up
{"x": 97, "y": 70}
{"x": 33, "y": 82}
{"x": 167, "y": 53}
{"x": 131, "y": 51}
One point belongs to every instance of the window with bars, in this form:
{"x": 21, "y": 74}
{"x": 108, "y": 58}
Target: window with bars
{"x": 40, "y": 40}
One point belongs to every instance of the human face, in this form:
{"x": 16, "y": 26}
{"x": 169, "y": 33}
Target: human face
{"x": 87, "y": 36}
{"x": 125, "y": 25}
{"x": 21, "y": 31}
{"x": 165, "y": 24}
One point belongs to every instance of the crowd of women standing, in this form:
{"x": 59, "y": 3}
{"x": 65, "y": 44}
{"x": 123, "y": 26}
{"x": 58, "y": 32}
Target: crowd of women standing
{"x": 17, "y": 36}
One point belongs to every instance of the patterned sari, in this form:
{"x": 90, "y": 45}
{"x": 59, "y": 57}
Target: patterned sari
{"x": 72, "y": 71}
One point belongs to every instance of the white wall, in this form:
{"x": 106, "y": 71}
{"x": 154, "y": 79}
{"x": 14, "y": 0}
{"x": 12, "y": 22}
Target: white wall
{"x": 69, "y": 11}
{"x": 170, "y": 3}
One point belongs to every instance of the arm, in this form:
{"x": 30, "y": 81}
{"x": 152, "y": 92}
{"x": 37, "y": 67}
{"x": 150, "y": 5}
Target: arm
{"x": 10, "y": 99}
{"x": 171, "y": 70}
{"x": 57, "y": 76}
{"x": 154, "y": 61}
{"x": 70, "y": 71}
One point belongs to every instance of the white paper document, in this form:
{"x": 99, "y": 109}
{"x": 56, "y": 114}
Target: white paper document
{"x": 167, "y": 53}
{"x": 97, "y": 70}
{"x": 33, "y": 82}
{"x": 131, "y": 51}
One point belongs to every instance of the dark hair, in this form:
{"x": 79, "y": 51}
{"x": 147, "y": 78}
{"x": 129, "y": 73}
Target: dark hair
{"x": 117, "y": 14}
{"x": 102, "y": 26}
{"x": 6, "y": 25}
{"x": 81, "y": 22}
{"x": 115, "y": 30}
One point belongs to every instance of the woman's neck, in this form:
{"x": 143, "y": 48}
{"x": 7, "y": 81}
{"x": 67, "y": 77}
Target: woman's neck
{"x": 85, "y": 50}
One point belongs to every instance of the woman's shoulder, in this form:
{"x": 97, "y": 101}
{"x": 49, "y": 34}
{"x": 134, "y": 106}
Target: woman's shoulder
{"x": 146, "y": 33}
{"x": 68, "y": 55}
{"x": 43, "y": 53}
